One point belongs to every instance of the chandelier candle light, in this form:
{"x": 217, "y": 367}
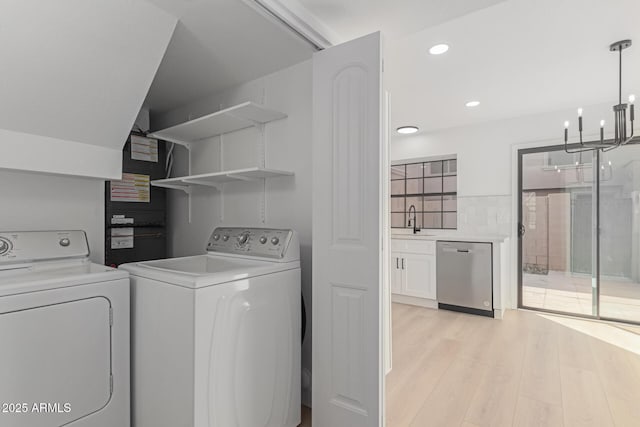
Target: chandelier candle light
{"x": 620, "y": 117}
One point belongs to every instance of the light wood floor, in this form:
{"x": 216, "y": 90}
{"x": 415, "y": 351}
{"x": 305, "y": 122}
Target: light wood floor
{"x": 529, "y": 369}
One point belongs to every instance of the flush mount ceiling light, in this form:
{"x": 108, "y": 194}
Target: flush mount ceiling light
{"x": 406, "y": 130}
{"x": 621, "y": 136}
{"x": 472, "y": 104}
{"x": 439, "y": 49}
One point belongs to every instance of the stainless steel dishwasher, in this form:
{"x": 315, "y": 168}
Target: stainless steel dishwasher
{"x": 464, "y": 277}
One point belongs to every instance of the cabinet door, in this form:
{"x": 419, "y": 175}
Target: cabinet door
{"x": 419, "y": 275}
{"x": 395, "y": 273}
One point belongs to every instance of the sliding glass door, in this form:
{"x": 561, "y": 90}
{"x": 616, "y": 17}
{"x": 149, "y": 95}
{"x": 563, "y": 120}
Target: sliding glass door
{"x": 556, "y": 210}
{"x": 566, "y": 266}
{"x": 620, "y": 234}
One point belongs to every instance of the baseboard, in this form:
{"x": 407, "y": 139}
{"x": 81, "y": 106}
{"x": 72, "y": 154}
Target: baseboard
{"x": 420, "y": 302}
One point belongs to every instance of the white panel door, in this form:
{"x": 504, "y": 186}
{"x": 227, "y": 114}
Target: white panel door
{"x": 347, "y": 235}
{"x": 419, "y": 275}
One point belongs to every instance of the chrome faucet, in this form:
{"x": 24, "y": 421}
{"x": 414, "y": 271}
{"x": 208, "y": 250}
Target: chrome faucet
{"x": 415, "y": 221}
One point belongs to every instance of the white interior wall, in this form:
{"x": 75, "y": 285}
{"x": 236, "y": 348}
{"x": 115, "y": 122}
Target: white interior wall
{"x": 487, "y": 172}
{"x": 38, "y": 201}
{"x": 79, "y": 73}
{"x": 288, "y": 147}
{"x": 33, "y": 201}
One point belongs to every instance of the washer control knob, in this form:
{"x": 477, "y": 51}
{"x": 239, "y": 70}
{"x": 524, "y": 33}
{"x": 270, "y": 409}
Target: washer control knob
{"x": 65, "y": 242}
{"x": 263, "y": 240}
{"x": 216, "y": 237}
{"x": 275, "y": 241}
{"x": 225, "y": 237}
{"x": 4, "y": 246}
{"x": 242, "y": 239}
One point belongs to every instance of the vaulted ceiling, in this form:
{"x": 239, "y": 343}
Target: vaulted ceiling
{"x": 516, "y": 57}
{"x": 218, "y": 44}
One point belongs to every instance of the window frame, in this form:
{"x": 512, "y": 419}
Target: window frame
{"x": 442, "y": 194}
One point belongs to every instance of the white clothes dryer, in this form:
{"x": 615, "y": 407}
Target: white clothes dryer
{"x": 64, "y": 334}
{"x": 216, "y": 337}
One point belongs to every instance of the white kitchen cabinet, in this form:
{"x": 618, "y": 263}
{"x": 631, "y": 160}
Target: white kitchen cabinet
{"x": 420, "y": 276}
{"x": 396, "y": 273}
{"x": 413, "y": 274}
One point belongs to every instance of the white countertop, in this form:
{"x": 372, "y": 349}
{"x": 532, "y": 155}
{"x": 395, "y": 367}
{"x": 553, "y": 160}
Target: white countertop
{"x": 452, "y": 235}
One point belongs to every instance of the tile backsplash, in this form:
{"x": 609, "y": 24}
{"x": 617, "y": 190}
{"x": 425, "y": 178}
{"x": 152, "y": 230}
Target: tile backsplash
{"x": 485, "y": 214}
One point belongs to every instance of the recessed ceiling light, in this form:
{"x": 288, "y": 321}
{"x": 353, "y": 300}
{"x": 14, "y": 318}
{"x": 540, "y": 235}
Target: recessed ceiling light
{"x": 405, "y": 130}
{"x": 439, "y": 49}
{"x": 472, "y": 104}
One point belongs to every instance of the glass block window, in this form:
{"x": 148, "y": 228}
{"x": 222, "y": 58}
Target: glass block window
{"x": 429, "y": 186}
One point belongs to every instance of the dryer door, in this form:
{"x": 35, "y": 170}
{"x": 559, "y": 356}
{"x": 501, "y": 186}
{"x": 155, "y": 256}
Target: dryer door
{"x": 55, "y": 362}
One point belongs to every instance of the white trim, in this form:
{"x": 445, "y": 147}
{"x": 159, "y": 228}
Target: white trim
{"x": 418, "y": 302}
{"x": 296, "y": 18}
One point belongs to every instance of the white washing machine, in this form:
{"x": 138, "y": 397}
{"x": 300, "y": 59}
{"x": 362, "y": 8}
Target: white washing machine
{"x": 216, "y": 337}
{"x": 64, "y": 334}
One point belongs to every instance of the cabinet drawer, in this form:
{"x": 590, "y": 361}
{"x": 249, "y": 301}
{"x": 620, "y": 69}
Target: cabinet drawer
{"x": 427, "y": 247}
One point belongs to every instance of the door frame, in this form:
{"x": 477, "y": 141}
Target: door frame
{"x": 521, "y": 152}
{"x": 595, "y": 256}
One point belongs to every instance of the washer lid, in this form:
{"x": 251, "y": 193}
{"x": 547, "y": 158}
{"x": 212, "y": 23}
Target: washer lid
{"x": 52, "y": 275}
{"x": 205, "y": 270}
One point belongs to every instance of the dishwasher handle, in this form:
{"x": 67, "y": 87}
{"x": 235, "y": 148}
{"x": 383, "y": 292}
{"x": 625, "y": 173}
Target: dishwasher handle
{"x": 456, "y": 250}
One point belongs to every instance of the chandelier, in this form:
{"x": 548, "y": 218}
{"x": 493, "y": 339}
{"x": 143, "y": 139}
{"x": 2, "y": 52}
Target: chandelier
{"x": 623, "y": 133}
